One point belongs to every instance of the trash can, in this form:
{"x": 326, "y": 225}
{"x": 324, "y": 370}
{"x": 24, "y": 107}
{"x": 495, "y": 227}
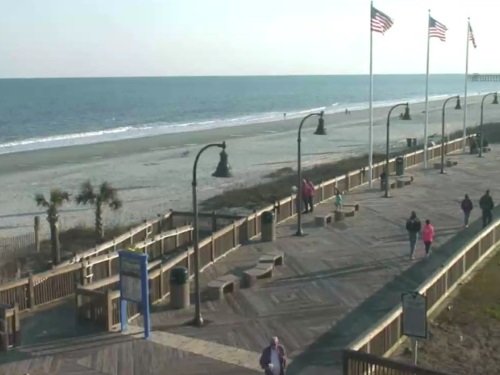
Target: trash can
{"x": 179, "y": 288}
{"x": 268, "y": 226}
{"x": 400, "y": 166}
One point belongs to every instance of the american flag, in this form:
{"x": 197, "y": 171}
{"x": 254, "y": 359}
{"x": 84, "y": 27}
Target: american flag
{"x": 381, "y": 22}
{"x": 437, "y": 29}
{"x": 471, "y": 37}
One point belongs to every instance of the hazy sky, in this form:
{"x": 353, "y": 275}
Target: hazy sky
{"x": 75, "y": 38}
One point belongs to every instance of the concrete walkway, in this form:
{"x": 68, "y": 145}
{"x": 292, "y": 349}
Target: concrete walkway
{"x": 335, "y": 283}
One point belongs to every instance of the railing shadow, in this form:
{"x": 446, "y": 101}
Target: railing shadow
{"x": 326, "y": 350}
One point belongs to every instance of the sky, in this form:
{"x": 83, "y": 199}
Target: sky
{"x": 110, "y": 38}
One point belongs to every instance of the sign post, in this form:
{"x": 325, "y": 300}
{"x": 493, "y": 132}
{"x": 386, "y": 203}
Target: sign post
{"x": 134, "y": 287}
{"x": 414, "y": 318}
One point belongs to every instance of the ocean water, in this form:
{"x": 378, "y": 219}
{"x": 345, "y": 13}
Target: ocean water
{"x": 45, "y": 113}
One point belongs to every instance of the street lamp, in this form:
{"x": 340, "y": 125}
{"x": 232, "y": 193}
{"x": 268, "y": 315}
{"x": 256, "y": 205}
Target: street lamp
{"x": 495, "y": 101}
{"x": 223, "y": 170}
{"x": 406, "y": 116}
{"x": 320, "y": 130}
{"x": 457, "y": 106}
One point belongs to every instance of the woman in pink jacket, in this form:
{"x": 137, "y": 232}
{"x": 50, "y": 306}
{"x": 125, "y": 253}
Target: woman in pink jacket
{"x": 428, "y": 236}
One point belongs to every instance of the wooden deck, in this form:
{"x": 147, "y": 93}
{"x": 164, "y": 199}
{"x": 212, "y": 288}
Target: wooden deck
{"x": 336, "y": 281}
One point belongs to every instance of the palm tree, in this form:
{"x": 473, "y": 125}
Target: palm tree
{"x": 106, "y": 195}
{"x": 56, "y": 200}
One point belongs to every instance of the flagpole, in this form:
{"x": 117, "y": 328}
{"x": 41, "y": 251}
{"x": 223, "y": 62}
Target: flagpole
{"x": 427, "y": 94}
{"x": 465, "y": 85}
{"x": 370, "y": 131}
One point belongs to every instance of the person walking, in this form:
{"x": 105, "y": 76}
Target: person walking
{"x": 413, "y": 227}
{"x": 428, "y": 236}
{"x": 467, "y": 207}
{"x": 310, "y": 197}
{"x": 306, "y": 193}
{"x": 273, "y": 358}
{"x": 486, "y": 204}
{"x": 338, "y": 200}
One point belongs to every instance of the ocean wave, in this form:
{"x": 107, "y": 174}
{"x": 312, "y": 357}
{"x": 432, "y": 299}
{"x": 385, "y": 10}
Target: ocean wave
{"x": 158, "y": 128}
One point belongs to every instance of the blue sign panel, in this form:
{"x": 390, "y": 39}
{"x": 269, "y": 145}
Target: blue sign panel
{"x": 134, "y": 286}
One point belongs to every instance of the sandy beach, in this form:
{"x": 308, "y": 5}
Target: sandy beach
{"x": 154, "y": 174}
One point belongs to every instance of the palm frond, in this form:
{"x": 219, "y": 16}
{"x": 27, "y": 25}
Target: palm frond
{"x": 86, "y": 194}
{"x": 116, "y": 204}
{"x": 41, "y": 201}
{"x": 107, "y": 193}
{"x": 58, "y": 197}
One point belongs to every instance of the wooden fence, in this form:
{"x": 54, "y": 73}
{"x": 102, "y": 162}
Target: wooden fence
{"x": 224, "y": 240}
{"x": 386, "y": 335}
{"x": 359, "y": 363}
{"x": 60, "y": 282}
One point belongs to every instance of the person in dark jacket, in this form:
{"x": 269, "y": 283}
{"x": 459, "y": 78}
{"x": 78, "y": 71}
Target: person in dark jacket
{"x": 413, "y": 227}
{"x": 273, "y": 358}
{"x": 486, "y": 204}
{"x": 467, "y": 207}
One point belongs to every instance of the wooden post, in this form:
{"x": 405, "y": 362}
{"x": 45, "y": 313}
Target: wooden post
{"x": 109, "y": 267}
{"x": 162, "y": 246}
{"x": 160, "y": 223}
{"x": 17, "y": 326}
{"x": 114, "y": 243}
{"x": 235, "y": 234}
{"x": 162, "y": 277}
{"x": 177, "y": 239}
{"x": 322, "y": 190}
{"x": 347, "y": 182}
{"x": 255, "y": 222}
{"x": 109, "y": 310}
{"x": 212, "y": 245}
{"x": 31, "y": 292}
{"x": 214, "y": 222}
{"x": 37, "y": 233}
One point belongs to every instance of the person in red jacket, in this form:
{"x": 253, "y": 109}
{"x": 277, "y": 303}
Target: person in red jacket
{"x": 306, "y": 194}
{"x": 428, "y": 236}
{"x": 273, "y": 358}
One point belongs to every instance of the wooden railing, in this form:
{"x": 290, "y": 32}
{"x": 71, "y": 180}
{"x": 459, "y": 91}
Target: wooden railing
{"x": 359, "y": 363}
{"x": 52, "y": 285}
{"x": 10, "y": 328}
{"x": 222, "y": 241}
{"x": 384, "y": 336}
{"x": 142, "y": 232}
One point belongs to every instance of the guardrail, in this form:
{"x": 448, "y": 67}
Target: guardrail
{"x": 359, "y": 363}
{"x": 60, "y": 282}
{"x": 385, "y": 335}
{"x": 221, "y": 242}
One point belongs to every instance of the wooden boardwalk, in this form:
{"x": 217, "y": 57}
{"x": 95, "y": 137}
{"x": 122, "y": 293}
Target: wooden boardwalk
{"x": 336, "y": 281}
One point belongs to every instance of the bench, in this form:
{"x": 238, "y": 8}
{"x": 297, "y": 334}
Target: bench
{"x": 221, "y": 285}
{"x": 344, "y": 212}
{"x": 451, "y": 163}
{"x": 277, "y": 258}
{"x": 322, "y": 220}
{"x": 260, "y": 271}
{"x": 352, "y": 204}
{"x": 404, "y": 180}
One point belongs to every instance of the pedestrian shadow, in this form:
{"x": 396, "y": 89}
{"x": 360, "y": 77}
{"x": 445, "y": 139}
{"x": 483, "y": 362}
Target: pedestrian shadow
{"x": 326, "y": 350}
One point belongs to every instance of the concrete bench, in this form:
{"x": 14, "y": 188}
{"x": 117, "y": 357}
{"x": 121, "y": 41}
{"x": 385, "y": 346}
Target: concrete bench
{"x": 344, "y": 212}
{"x": 322, "y": 220}
{"x": 352, "y": 204}
{"x": 222, "y": 285}
{"x": 404, "y": 181}
{"x": 451, "y": 163}
{"x": 260, "y": 271}
{"x": 276, "y": 258}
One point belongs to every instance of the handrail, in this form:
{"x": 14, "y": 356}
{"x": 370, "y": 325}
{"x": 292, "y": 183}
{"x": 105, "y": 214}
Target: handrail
{"x": 382, "y": 323}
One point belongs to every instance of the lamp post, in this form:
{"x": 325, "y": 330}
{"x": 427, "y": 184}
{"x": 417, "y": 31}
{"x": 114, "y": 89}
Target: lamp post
{"x": 495, "y": 101}
{"x": 406, "y": 116}
{"x": 457, "y": 106}
{"x": 320, "y": 130}
{"x": 223, "y": 170}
